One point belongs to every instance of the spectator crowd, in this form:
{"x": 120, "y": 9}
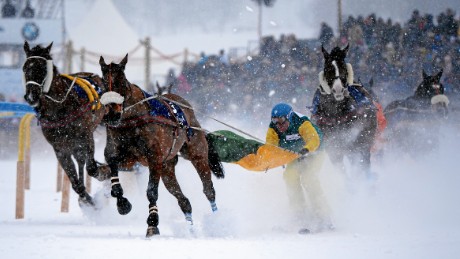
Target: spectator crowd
{"x": 390, "y": 53}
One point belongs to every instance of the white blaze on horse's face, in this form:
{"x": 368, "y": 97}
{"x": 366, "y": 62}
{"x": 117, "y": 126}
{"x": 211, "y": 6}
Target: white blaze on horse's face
{"x": 338, "y": 89}
{"x": 436, "y": 87}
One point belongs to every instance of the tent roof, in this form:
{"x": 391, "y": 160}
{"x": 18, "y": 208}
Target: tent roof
{"x": 104, "y": 30}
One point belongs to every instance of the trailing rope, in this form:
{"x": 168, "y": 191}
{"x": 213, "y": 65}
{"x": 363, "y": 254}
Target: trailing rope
{"x": 207, "y": 116}
{"x": 226, "y": 124}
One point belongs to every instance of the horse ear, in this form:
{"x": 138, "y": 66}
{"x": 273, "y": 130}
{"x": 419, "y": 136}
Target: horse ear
{"x": 169, "y": 88}
{"x": 124, "y": 61}
{"x": 345, "y": 50}
{"x": 26, "y": 47}
{"x": 424, "y": 74}
{"x": 438, "y": 76}
{"x": 325, "y": 53}
{"x": 49, "y": 47}
{"x": 102, "y": 61}
{"x": 158, "y": 87}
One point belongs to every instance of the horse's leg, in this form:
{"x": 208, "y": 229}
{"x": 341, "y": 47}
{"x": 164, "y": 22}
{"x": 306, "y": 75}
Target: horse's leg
{"x": 172, "y": 185}
{"x": 68, "y": 165}
{"x": 100, "y": 172}
{"x": 80, "y": 156}
{"x": 197, "y": 153}
{"x": 152, "y": 196}
{"x": 123, "y": 205}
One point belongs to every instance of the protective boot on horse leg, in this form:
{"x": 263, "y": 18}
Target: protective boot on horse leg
{"x": 152, "y": 196}
{"x": 123, "y": 205}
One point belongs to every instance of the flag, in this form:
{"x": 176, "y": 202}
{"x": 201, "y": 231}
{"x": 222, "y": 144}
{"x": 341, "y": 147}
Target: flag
{"x": 249, "y": 154}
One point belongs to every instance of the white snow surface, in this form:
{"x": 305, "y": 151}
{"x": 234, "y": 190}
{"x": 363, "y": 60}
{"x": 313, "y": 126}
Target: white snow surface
{"x": 410, "y": 211}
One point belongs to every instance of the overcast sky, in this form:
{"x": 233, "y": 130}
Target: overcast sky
{"x": 162, "y": 17}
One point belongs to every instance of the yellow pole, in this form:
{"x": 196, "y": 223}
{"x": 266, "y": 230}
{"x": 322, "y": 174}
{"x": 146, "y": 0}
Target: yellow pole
{"x": 20, "y": 173}
{"x": 27, "y": 152}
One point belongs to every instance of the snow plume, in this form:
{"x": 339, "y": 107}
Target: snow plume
{"x": 410, "y": 194}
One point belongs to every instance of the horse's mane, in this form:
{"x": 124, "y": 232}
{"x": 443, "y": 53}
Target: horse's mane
{"x": 40, "y": 51}
{"x": 338, "y": 55}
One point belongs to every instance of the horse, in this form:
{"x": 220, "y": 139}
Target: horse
{"x": 345, "y": 113}
{"x": 152, "y": 130}
{"x": 68, "y": 110}
{"x": 413, "y": 121}
{"x": 161, "y": 90}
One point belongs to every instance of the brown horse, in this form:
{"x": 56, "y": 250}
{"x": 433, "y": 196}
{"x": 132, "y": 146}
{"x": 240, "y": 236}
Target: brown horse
{"x": 161, "y": 90}
{"x": 67, "y": 114}
{"x": 152, "y": 130}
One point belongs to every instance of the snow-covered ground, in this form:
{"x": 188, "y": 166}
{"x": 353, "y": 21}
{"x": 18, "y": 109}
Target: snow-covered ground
{"x": 411, "y": 211}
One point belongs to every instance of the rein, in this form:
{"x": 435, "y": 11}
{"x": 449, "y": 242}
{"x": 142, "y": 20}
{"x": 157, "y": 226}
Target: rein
{"x": 66, "y": 95}
{"x": 221, "y": 122}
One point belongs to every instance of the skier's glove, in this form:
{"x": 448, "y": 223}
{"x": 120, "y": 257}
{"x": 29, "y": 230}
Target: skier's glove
{"x": 303, "y": 154}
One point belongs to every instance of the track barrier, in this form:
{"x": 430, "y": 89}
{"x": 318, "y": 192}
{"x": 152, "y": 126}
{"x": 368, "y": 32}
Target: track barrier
{"x": 26, "y": 113}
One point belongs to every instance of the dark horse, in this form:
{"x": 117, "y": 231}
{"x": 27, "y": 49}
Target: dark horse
{"x": 67, "y": 114}
{"x": 344, "y": 111}
{"x": 413, "y": 121}
{"x": 152, "y": 130}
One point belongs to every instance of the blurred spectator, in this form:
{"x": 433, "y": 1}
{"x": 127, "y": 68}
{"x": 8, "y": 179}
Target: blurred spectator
{"x": 392, "y": 53}
{"x": 28, "y": 11}
{"x": 8, "y": 10}
{"x": 326, "y": 34}
{"x": 223, "y": 58}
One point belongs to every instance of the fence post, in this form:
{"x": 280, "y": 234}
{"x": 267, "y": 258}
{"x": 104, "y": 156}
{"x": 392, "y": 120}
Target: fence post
{"x": 82, "y": 59}
{"x": 65, "y": 194}
{"x": 185, "y": 55}
{"x": 148, "y": 85}
{"x": 88, "y": 182}
{"x": 68, "y": 57}
{"x": 59, "y": 178}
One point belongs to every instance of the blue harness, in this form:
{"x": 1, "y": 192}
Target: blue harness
{"x": 173, "y": 112}
{"x": 359, "y": 97}
{"x": 81, "y": 93}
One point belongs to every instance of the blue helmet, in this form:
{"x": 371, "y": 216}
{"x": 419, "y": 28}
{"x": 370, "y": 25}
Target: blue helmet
{"x": 282, "y": 110}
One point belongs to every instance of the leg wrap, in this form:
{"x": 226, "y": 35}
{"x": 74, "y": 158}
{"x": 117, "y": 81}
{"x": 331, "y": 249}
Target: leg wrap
{"x": 188, "y": 218}
{"x": 153, "y": 218}
{"x": 117, "y": 191}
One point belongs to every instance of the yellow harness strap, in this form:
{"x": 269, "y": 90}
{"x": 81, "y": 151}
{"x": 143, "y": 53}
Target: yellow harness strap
{"x": 93, "y": 96}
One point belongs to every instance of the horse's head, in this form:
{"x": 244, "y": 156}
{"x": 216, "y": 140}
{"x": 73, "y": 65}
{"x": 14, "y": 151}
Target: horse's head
{"x": 337, "y": 74}
{"x": 432, "y": 89}
{"x": 115, "y": 80}
{"x": 163, "y": 89}
{"x": 37, "y": 72}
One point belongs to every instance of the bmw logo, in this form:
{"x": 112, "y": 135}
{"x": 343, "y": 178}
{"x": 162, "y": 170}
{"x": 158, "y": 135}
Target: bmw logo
{"x": 30, "y": 31}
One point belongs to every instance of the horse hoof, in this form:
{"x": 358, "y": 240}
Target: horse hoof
{"x": 103, "y": 173}
{"x": 123, "y": 206}
{"x": 213, "y": 206}
{"x": 188, "y": 218}
{"x": 152, "y": 231}
{"x": 86, "y": 201}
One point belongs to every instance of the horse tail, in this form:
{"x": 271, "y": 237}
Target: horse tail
{"x": 214, "y": 159}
